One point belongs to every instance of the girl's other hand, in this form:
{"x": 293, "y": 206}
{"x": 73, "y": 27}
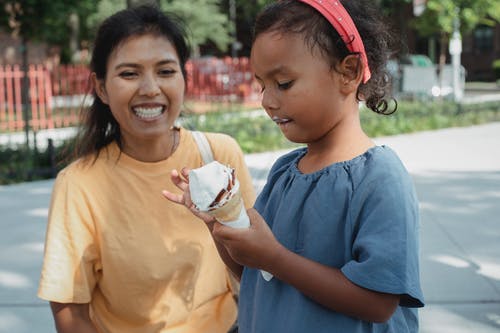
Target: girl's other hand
{"x": 255, "y": 246}
{"x": 182, "y": 182}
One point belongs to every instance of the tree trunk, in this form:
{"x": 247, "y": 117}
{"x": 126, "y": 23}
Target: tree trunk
{"x": 25, "y": 96}
{"x": 74, "y": 27}
{"x": 442, "y": 58}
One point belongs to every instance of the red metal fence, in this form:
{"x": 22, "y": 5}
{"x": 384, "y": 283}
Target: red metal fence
{"x": 56, "y": 96}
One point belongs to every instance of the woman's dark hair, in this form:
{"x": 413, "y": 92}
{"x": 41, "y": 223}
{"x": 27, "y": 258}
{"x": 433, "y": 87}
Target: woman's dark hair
{"x": 98, "y": 126}
{"x": 292, "y": 16}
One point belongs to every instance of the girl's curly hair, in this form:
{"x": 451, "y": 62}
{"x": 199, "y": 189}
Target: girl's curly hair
{"x": 292, "y": 16}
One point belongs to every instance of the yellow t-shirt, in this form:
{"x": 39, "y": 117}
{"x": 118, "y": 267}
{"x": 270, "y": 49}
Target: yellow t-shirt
{"x": 143, "y": 263}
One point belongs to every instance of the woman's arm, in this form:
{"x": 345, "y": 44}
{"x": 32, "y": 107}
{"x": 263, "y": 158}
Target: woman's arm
{"x": 257, "y": 247}
{"x": 72, "y": 318}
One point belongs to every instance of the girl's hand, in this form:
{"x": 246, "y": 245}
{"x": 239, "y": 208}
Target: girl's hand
{"x": 182, "y": 182}
{"x": 255, "y": 246}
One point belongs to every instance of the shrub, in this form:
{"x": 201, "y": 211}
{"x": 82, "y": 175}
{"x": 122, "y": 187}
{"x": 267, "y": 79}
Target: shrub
{"x": 255, "y": 132}
{"x": 18, "y": 164}
{"x": 496, "y": 68}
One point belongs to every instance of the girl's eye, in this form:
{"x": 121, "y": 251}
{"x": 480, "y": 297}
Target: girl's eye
{"x": 285, "y": 85}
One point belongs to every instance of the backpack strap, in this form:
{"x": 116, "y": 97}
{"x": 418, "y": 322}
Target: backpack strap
{"x": 207, "y": 156}
{"x": 203, "y": 146}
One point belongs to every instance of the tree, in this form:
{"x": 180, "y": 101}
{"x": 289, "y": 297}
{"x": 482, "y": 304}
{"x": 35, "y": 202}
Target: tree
{"x": 440, "y": 15}
{"x": 205, "y": 20}
{"x": 246, "y": 12}
{"x": 40, "y": 20}
{"x": 131, "y": 3}
{"x": 104, "y": 9}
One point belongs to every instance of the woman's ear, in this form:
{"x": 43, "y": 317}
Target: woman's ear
{"x": 351, "y": 70}
{"x": 100, "y": 88}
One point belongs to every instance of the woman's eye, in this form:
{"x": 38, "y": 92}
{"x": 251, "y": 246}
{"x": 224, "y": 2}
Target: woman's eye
{"x": 284, "y": 85}
{"x": 127, "y": 74}
{"x": 166, "y": 72}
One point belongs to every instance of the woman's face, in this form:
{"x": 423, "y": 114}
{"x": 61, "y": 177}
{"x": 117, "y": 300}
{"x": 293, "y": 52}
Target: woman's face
{"x": 144, "y": 88}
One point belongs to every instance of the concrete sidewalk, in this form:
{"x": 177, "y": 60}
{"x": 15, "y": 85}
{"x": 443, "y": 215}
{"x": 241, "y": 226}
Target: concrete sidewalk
{"x": 457, "y": 175}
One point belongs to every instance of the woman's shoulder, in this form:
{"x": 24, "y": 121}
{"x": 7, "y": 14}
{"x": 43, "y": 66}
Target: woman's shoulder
{"x": 223, "y": 145}
{"x": 220, "y": 139}
{"x": 77, "y": 168}
{"x": 85, "y": 168}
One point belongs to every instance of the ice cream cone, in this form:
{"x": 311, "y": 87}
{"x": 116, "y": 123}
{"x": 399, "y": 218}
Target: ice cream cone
{"x": 215, "y": 190}
{"x": 230, "y": 211}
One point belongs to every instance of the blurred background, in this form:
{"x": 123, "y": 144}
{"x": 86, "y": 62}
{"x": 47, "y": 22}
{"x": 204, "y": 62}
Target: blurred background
{"x": 448, "y": 60}
{"x": 446, "y": 79}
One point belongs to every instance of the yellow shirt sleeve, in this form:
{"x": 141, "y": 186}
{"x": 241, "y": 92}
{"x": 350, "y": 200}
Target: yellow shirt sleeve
{"x": 71, "y": 259}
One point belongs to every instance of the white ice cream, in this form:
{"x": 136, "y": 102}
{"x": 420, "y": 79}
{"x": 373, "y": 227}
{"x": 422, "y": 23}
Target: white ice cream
{"x": 205, "y": 183}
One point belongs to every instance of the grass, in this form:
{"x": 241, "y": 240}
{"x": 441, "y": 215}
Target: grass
{"x": 255, "y": 132}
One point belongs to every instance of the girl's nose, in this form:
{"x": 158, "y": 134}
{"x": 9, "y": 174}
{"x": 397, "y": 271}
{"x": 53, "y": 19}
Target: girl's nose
{"x": 149, "y": 86}
{"x": 269, "y": 102}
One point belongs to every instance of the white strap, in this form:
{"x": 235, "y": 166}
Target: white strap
{"x": 203, "y": 146}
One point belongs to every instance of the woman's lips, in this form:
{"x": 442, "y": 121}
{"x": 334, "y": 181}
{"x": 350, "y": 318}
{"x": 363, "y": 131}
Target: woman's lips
{"x": 148, "y": 112}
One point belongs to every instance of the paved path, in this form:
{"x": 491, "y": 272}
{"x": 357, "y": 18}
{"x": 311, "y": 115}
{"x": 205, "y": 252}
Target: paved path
{"x": 457, "y": 174}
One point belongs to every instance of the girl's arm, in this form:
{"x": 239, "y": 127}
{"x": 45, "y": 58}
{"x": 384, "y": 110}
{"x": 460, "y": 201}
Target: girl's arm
{"x": 328, "y": 286}
{"x": 72, "y": 318}
{"x": 185, "y": 199}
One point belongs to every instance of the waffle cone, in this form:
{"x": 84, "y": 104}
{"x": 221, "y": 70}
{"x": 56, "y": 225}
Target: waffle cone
{"x": 231, "y": 210}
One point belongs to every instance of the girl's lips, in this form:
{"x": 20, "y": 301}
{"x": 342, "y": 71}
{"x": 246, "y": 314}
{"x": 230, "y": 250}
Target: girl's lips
{"x": 281, "y": 121}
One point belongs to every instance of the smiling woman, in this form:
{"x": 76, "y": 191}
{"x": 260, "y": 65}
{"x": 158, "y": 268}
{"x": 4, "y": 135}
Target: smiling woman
{"x": 144, "y": 92}
{"x": 118, "y": 257}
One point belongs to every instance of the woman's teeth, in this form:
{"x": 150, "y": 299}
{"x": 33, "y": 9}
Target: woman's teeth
{"x": 148, "y": 113}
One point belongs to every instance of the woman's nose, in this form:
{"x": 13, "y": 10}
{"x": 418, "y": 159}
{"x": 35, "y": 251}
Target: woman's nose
{"x": 149, "y": 86}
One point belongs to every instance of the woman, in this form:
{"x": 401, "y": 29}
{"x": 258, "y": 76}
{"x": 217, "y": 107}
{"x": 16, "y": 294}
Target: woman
{"x": 119, "y": 258}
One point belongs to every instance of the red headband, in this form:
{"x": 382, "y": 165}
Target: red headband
{"x": 340, "y": 19}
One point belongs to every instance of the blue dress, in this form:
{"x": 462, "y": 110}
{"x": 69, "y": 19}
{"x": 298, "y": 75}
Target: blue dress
{"x": 360, "y": 216}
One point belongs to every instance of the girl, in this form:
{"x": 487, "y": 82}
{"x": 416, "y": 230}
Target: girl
{"x": 117, "y": 259}
{"x": 337, "y": 222}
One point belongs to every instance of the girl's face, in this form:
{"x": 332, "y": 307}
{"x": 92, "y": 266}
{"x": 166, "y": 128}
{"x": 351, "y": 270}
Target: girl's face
{"x": 144, "y": 88}
{"x": 300, "y": 91}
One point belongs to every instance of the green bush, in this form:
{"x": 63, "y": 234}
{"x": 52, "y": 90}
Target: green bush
{"x": 496, "y": 68}
{"x": 255, "y": 132}
{"x": 419, "y": 116}
{"x": 19, "y": 164}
